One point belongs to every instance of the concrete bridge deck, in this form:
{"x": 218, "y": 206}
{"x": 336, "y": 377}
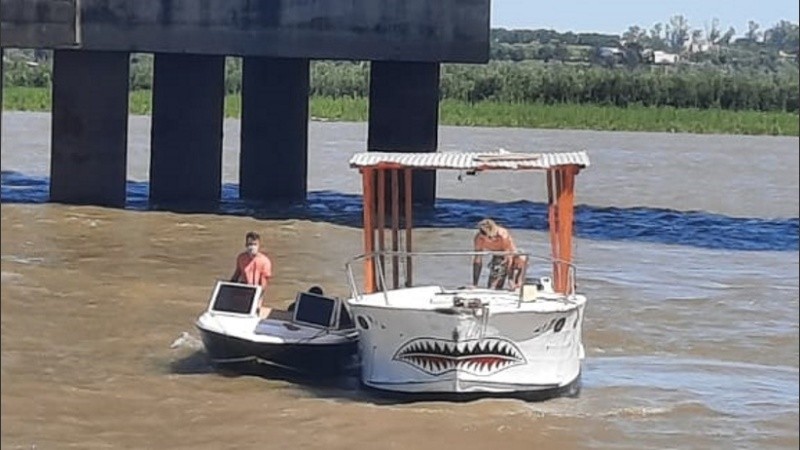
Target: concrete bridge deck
{"x": 405, "y": 40}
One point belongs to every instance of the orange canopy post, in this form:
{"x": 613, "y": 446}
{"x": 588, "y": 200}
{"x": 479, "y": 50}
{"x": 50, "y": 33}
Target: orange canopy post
{"x": 369, "y": 231}
{"x": 561, "y": 199}
{"x": 375, "y": 221}
{"x": 408, "y": 224}
{"x": 381, "y": 221}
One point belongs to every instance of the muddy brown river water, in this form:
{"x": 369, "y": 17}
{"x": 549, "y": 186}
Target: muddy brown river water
{"x": 687, "y": 248}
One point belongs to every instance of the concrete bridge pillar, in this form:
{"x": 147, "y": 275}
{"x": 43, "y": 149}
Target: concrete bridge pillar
{"x": 186, "y": 135}
{"x": 274, "y": 135}
{"x": 2, "y": 77}
{"x": 89, "y": 135}
{"x": 404, "y": 114}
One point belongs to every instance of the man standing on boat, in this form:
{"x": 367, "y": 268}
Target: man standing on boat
{"x": 254, "y": 268}
{"x": 494, "y": 238}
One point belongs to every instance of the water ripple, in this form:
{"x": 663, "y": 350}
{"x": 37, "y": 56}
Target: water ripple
{"x": 732, "y": 388}
{"x": 642, "y": 224}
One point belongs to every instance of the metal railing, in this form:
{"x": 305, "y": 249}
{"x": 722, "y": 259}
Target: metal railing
{"x": 377, "y": 259}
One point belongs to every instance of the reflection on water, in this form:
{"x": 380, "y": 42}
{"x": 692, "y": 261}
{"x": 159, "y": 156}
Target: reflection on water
{"x": 691, "y": 328}
{"x": 693, "y": 228}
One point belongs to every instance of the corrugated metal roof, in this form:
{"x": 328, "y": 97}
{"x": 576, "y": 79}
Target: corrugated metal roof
{"x": 498, "y": 160}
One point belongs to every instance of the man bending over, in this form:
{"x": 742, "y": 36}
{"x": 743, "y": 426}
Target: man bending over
{"x": 492, "y": 237}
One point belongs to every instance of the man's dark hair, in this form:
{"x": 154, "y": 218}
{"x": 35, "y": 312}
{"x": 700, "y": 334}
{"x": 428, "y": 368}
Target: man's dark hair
{"x": 315, "y": 290}
{"x": 252, "y": 235}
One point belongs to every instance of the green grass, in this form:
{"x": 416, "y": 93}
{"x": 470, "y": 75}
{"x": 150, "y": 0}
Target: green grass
{"x": 633, "y": 118}
{"x": 493, "y": 114}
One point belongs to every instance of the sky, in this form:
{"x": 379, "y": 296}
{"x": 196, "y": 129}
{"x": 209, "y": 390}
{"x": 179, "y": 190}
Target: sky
{"x": 615, "y": 16}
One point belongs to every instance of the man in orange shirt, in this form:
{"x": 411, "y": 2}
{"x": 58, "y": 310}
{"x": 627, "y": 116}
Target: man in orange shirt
{"x": 492, "y": 237}
{"x": 254, "y": 267}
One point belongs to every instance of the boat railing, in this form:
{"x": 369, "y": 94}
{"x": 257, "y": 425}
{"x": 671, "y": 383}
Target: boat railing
{"x": 375, "y": 264}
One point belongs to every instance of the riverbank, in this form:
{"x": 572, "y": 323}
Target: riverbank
{"x": 494, "y": 114}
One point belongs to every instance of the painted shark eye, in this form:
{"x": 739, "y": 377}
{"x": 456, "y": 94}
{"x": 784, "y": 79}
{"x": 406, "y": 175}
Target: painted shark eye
{"x": 362, "y": 322}
{"x": 559, "y": 325}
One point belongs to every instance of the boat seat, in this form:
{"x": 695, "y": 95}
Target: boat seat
{"x": 279, "y": 314}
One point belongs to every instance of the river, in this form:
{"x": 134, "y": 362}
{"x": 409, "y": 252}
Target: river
{"x": 686, "y": 247}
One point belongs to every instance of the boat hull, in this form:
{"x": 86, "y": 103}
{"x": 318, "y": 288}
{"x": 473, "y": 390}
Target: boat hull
{"x": 534, "y": 393}
{"x": 241, "y": 354}
{"x": 452, "y": 353}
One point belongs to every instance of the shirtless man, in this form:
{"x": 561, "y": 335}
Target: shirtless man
{"x": 493, "y": 237}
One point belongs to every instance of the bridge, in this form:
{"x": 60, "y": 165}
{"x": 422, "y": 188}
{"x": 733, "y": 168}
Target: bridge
{"x": 405, "y": 42}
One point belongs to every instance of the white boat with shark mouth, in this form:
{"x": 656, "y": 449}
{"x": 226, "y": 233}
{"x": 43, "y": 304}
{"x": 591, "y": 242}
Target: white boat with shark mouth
{"x": 423, "y": 333}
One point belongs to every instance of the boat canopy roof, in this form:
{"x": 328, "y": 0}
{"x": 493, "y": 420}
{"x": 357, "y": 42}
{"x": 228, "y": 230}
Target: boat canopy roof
{"x": 496, "y": 160}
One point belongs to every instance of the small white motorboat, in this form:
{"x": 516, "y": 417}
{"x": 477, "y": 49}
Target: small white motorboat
{"x": 316, "y": 338}
{"x": 423, "y": 333}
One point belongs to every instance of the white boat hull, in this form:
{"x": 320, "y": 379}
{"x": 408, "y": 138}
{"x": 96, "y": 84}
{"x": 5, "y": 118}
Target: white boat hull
{"x": 237, "y": 343}
{"x": 447, "y": 350}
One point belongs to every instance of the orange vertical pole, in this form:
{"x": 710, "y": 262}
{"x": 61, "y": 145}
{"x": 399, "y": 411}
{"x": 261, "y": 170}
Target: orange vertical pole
{"x": 559, "y": 281}
{"x": 566, "y": 212}
{"x": 368, "y": 198}
{"x": 381, "y": 220}
{"x": 552, "y": 217}
{"x": 409, "y": 225}
{"x": 395, "y": 228}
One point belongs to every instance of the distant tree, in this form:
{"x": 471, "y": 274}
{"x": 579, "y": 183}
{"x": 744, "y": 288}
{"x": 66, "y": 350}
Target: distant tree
{"x": 560, "y": 52}
{"x": 634, "y": 35}
{"x": 656, "y": 32}
{"x": 656, "y": 38}
{"x": 677, "y": 32}
{"x": 728, "y": 36}
{"x": 516, "y": 53}
{"x": 632, "y": 54}
{"x": 598, "y": 39}
{"x": 714, "y": 33}
{"x": 783, "y": 36}
{"x": 569, "y": 38}
{"x": 697, "y": 36}
{"x": 546, "y": 52}
{"x": 752, "y": 31}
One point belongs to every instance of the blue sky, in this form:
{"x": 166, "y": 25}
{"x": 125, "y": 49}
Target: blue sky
{"x": 615, "y": 16}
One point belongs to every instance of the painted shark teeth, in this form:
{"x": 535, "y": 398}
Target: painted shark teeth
{"x": 479, "y": 357}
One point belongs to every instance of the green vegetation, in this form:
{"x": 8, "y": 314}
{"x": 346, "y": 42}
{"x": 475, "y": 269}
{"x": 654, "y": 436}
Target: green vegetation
{"x": 712, "y": 82}
{"x": 528, "y": 82}
{"x": 754, "y": 48}
{"x": 491, "y": 113}
{"x": 536, "y": 82}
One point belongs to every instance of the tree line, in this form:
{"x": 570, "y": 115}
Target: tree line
{"x": 527, "y": 82}
{"x": 676, "y": 36}
{"x": 532, "y": 82}
{"x": 742, "y": 77}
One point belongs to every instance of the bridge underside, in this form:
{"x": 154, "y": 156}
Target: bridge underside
{"x": 92, "y": 40}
